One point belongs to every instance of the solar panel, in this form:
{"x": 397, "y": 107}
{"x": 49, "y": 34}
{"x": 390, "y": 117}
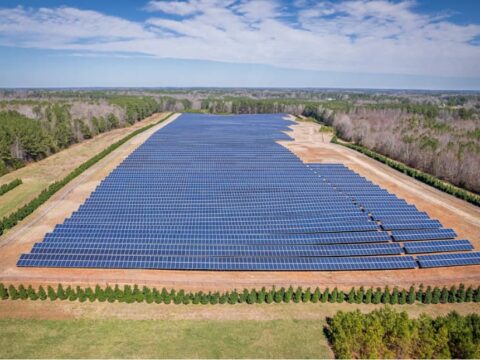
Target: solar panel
{"x": 428, "y": 234}
{"x": 220, "y": 193}
{"x": 444, "y": 260}
{"x": 438, "y": 246}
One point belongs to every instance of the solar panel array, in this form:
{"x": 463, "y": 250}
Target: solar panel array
{"x": 219, "y": 193}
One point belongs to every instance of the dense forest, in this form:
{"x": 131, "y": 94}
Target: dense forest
{"x": 32, "y": 130}
{"x": 435, "y": 132}
{"x": 389, "y": 334}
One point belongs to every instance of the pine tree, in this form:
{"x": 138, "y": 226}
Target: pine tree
{"x": 205, "y": 298}
{"x": 325, "y": 295}
{"x": 477, "y": 295}
{"x": 119, "y": 294}
{"x": 403, "y": 297}
{"x": 90, "y": 294}
{"x": 411, "y": 295}
{"x": 233, "y": 298}
{"x": 351, "y": 296}
{"x": 270, "y": 295}
{"x": 137, "y": 295}
{"x": 394, "y": 297}
{"x": 243, "y": 296}
{"x": 13, "y": 293}
{"x": 333, "y": 296}
{"x": 214, "y": 298}
{"x": 196, "y": 299}
{"x": 61, "y": 293}
{"x": 461, "y": 293}
{"x": 316, "y": 296}
{"x": 469, "y": 295}
{"x": 3, "y": 292}
{"x": 252, "y": 297}
{"x": 149, "y": 295}
{"x": 166, "y": 296}
{"x": 436, "y": 295}
{"x": 178, "y": 299}
{"x": 420, "y": 294}
{"x": 100, "y": 294}
{"x": 22, "y": 292}
{"x": 288, "y": 295}
{"x": 444, "y": 295}
{"x": 72, "y": 295}
{"x": 32, "y": 295}
{"x": 360, "y": 295}
{"x": 81, "y": 294}
{"x": 307, "y": 296}
{"x": 42, "y": 295}
{"x": 278, "y": 298}
{"x": 452, "y": 296}
{"x": 186, "y": 299}
{"x": 340, "y": 297}
{"x": 262, "y": 294}
{"x": 386, "y": 295}
{"x": 428, "y": 296}
{"x": 297, "y": 296}
{"x": 368, "y": 296}
{"x": 52, "y": 295}
{"x": 377, "y": 296}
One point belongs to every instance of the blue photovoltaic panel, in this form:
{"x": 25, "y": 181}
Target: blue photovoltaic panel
{"x": 442, "y": 260}
{"x": 437, "y": 246}
{"x": 411, "y": 235}
{"x": 224, "y": 250}
{"x": 220, "y": 193}
{"x": 218, "y": 263}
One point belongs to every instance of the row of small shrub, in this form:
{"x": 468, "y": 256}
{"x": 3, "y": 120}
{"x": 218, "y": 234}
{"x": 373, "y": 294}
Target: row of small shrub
{"x": 17, "y": 216}
{"x": 388, "y": 334}
{"x": 416, "y": 174}
{"x": 129, "y": 294}
{"x": 10, "y": 186}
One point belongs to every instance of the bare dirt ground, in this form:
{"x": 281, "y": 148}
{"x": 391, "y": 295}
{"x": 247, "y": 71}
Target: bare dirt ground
{"x": 311, "y": 146}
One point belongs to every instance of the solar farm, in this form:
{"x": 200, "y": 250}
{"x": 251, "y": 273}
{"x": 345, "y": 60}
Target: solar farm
{"x": 220, "y": 193}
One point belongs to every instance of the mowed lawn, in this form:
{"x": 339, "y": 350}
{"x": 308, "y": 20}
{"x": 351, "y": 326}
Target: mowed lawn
{"x": 161, "y": 338}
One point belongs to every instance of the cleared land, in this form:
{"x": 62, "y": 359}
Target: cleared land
{"x": 311, "y": 146}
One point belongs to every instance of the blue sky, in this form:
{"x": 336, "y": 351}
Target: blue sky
{"x": 246, "y": 43}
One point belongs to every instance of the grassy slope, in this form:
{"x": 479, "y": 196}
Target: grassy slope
{"x": 170, "y": 339}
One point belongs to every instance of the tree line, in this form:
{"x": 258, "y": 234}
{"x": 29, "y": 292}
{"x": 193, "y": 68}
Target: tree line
{"x": 416, "y": 174}
{"x": 54, "y": 126}
{"x": 21, "y": 213}
{"x": 10, "y": 186}
{"x": 388, "y": 334}
{"x": 129, "y": 294}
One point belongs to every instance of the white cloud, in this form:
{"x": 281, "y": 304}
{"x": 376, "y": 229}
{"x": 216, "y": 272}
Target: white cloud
{"x": 350, "y": 36}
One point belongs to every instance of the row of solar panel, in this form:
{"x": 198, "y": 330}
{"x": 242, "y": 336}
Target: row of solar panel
{"x": 218, "y": 263}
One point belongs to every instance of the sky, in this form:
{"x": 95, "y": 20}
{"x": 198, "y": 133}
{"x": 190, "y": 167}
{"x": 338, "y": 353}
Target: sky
{"x": 429, "y": 44}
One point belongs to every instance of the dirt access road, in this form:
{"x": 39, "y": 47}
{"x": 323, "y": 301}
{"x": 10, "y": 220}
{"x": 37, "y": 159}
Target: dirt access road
{"x": 311, "y": 146}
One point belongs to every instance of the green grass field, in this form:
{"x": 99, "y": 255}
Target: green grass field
{"x": 159, "y": 338}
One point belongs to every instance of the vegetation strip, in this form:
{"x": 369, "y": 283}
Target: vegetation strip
{"x": 133, "y": 294}
{"x": 387, "y": 334}
{"x": 416, "y": 174}
{"x": 10, "y": 186}
{"x": 11, "y": 220}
